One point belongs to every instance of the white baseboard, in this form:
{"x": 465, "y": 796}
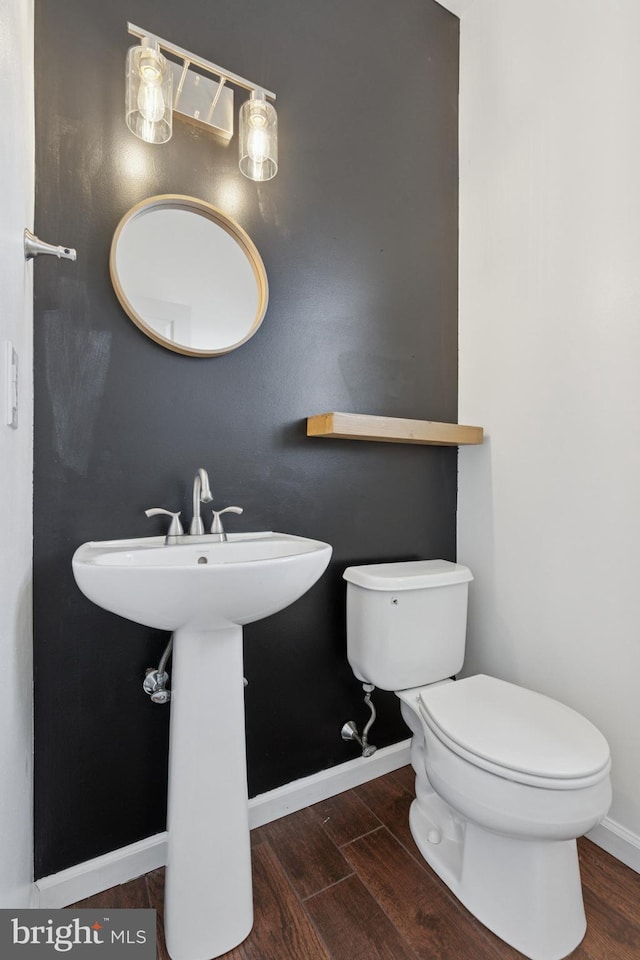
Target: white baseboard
{"x": 327, "y": 783}
{"x": 94, "y": 876}
{"x": 127, "y": 863}
{"x": 618, "y": 841}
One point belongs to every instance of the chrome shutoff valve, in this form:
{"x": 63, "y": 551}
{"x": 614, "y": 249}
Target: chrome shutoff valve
{"x": 350, "y": 728}
{"x": 155, "y": 685}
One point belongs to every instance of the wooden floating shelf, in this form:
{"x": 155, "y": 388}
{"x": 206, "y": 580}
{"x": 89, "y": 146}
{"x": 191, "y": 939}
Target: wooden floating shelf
{"x": 358, "y": 426}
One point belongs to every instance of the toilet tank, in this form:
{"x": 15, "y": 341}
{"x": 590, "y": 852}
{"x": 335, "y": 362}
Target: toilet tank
{"x": 406, "y": 622}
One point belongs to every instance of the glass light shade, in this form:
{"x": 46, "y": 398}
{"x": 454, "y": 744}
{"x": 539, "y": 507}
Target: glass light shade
{"x": 149, "y": 101}
{"x": 258, "y": 138}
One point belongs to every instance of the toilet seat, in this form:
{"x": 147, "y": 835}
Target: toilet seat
{"x": 516, "y": 733}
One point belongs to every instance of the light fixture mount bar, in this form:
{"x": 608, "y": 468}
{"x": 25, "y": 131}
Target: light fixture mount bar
{"x": 199, "y": 62}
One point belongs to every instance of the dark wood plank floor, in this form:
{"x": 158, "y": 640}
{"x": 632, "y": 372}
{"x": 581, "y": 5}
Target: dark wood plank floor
{"x": 343, "y": 880}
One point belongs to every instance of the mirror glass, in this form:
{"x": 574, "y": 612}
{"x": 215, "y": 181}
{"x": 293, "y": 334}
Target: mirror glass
{"x": 188, "y": 276}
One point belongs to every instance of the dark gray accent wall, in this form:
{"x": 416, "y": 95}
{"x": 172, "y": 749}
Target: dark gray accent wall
{"x": 359, "y": 237}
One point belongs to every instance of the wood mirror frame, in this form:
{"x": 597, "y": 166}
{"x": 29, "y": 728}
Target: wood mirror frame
{"x": 144, "y": 258}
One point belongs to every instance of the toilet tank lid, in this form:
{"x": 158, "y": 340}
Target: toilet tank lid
{"x": 408, "y": 575}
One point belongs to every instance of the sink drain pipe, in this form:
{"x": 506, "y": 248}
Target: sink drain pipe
{"x": 156, "y": 678}
{"x": 350, "y": 729}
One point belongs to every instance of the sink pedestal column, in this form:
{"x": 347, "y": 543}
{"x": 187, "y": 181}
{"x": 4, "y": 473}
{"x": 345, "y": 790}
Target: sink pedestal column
{"x": 208, "y": 897}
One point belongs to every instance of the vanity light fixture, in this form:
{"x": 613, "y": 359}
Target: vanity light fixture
{"x": 258, "y": 138}
{"x": 158, "y": 87}
{"x": 149, "y": 93}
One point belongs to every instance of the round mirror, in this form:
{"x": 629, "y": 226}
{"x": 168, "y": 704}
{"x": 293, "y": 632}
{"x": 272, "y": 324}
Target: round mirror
{"x": 188, "y": 276}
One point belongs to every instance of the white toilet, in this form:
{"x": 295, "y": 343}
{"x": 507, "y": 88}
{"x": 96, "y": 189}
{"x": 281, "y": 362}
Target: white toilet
{"x": 506, "y": 778}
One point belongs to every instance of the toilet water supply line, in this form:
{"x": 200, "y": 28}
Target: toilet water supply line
{"x": 155, "y": 685}
{"x": 350, "y": 729}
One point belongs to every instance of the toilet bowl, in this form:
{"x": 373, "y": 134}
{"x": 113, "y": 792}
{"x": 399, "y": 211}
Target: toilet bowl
{"x": 501, "y": 836}
{"x": 506, "y": 778}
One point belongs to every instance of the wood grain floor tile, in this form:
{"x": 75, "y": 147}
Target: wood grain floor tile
{"x": 126, "y": 895}
{"x": 309, "y": 857}
{"x": 343, "y": 880}
{"x": 390, "y": 802}
{"x": 406, "y": 777}
{"x": 612, "y": 904}
{"x": 345, "y": 817}
{"x": 282, "y": 929}
{"x": 609, "y": 879}
{"x": 155, "y": 889}
{"x": 354, "y": 927}
{"x": 610, "y": 935}
{"x": 431, "y": 921}
{"x": 258, "y": 835}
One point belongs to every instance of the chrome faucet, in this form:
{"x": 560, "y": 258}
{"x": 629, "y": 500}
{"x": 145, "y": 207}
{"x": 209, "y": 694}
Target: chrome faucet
{"x": 201, "y": 494}
{"x": 216, "y": 526}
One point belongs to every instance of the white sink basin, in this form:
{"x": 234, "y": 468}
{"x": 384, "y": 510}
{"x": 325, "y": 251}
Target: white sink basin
{"x": 204, "y": 591}
{"x": 201, "y": 585}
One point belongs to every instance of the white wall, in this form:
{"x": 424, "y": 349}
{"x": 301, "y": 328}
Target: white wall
{"x": 549, "y": 507}
{"x": 16, "y": 316}
{"x": 456, "y": 6}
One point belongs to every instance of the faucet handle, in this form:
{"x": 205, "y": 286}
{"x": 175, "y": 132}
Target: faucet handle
{"x": 175, "y": 527}
{"x": 216, "y": 526}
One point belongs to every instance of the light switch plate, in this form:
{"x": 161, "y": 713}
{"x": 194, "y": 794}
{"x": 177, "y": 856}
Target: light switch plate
{"x": 11, "y": 385}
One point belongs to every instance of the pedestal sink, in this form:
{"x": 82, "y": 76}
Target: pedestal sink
{"x": 204, "y": 591}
